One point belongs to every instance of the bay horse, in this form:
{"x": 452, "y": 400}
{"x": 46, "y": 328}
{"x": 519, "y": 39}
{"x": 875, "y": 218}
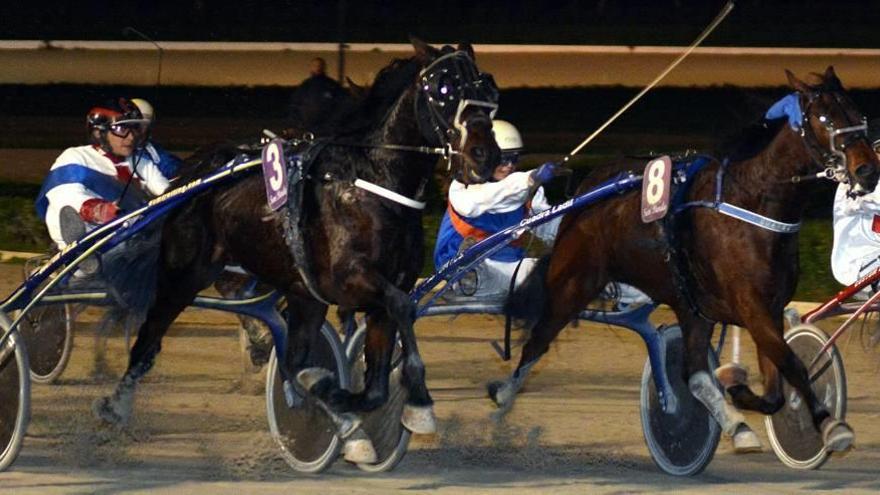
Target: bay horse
{"x": 364, "y": 250}
{"x": 709, "y": 267}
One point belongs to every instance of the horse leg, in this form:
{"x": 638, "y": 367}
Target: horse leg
{"x": 304, "y": 320}
{"x": 418, "y": 413}
{"x": 697, "y": 332}
{"x": 767, "y": 334}
{"x": 569, "y": 284}
{"x": 175, "y": 291}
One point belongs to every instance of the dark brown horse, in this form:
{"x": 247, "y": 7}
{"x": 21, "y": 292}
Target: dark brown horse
{"x": 709, "y": 267}
{"x": 364, "y": 250}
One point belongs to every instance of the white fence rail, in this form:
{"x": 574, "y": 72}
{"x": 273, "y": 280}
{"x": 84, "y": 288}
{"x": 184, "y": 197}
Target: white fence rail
{"x": 284, "y": 64}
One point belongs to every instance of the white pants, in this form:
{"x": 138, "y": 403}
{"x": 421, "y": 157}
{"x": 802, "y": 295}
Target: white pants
{"x": 493, "y": 281}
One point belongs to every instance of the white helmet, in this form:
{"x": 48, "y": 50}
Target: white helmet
{"x": 145, "y": 108}
{"x": 507, "y": 136}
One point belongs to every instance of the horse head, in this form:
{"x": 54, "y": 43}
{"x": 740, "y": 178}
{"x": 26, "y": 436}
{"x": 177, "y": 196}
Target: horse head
{"x": 454, "y": 107}
{"x": 835, "y": 132}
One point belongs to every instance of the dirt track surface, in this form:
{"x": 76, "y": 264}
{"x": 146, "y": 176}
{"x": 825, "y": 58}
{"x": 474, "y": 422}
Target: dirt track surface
{"x": 200, "y": 424}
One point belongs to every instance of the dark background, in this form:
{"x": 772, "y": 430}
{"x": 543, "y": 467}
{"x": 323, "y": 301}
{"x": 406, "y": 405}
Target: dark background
{"x": 813, "y": 23}
{"x": 553, "y": 120}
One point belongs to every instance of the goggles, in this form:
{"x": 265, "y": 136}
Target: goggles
{"x": 509, "y": 157}
{"x": 123, "y": 128}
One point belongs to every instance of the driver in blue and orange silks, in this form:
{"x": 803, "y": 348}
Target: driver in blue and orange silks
{"x": 856, "y": 251}
{"x": 90, "y": 184}
{"x": 479, "y": 210}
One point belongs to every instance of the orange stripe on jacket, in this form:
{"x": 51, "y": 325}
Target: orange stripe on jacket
{"x": 467, "y": 230}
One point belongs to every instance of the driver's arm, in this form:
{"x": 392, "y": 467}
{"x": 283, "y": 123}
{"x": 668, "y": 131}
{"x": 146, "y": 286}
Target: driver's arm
{"x": 490, "y": 197}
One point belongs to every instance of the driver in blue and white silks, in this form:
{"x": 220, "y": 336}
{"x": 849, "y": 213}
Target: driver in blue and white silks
{"x": 91, "y": 179}
{"x": 478, "y": 210}
{"x": 856, "y": 250}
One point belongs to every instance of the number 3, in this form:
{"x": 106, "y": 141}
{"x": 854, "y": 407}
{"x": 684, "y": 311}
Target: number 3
{"x": 274, "y": 159}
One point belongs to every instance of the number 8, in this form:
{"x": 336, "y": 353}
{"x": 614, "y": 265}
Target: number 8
{"x": 655, "y": 175}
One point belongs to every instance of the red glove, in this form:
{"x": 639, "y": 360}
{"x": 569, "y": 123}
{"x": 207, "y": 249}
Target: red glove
{"x": 98, "y": 211}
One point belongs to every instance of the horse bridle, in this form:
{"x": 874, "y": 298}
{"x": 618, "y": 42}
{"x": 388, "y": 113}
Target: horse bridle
{"x": 447, "y": 87}
{"x": 833, "y": 159}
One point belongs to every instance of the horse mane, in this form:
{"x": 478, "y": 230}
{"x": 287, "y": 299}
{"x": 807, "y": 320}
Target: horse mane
{"x": 389, "y": 84}
{"x": 752, "y": 140}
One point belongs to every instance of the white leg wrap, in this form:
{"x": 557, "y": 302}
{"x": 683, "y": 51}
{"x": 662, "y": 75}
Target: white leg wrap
{"x": 703, "y": 387}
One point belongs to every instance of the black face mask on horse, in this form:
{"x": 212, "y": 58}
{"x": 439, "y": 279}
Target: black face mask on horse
{"x": 707, "y": 266}
{"x": 364, "y": 246}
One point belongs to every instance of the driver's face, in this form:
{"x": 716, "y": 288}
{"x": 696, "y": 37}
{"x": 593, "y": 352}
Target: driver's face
{"x": 503, "y": 170}
{"x": 123, "y": 146}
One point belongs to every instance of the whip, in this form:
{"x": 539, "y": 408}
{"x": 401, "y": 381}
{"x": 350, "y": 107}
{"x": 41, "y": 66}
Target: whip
{"x": 706, "y": 32}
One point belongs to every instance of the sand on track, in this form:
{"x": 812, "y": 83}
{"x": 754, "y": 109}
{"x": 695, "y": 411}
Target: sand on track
{"x": 200, "y": 424}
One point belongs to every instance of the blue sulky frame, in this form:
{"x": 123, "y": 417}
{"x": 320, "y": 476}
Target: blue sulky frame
{"x": 635, "y": 319}
{"x": 114, "y": 233}
{"x": 263, "y": 307}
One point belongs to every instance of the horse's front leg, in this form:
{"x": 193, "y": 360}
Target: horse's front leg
{"x": 418, "y": 412}
{"x": 697, "y": 333}
{"x": 767, "y": 333}
{"x": 304, "y": 320}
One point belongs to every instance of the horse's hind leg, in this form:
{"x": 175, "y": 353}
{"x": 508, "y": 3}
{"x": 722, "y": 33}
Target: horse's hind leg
{"x": 697, "y": 333}
{"x": 568, "y": 286}
{"x": 175, "y": 291}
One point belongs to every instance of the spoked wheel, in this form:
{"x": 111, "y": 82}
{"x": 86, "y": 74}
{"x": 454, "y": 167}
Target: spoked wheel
{"x": 682, "y": 444}
{"x": 792, "y": 435}
{"x": 15, "y": 395}
{"x": 48, "y": 333}
{"x": 305, "y": 433}
{"x": 869, "y": 333}
{"x": 383, "y": 426}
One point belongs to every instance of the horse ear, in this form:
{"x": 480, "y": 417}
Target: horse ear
{"x": 469, "y": 49}
{"x": 796, "y": 83}
{"x": 831, "y": 77}
{"x": 425, "y": 53}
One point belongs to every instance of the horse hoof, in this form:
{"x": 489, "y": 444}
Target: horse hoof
{"x": 347, "y": 425}
{"x": 837, "y": 435}
{"x": 745, "y": 441}
{"x": 500, "y": 393}
{"x": 359, "y": 449}
{"x": 104, "y": 409}
{"x": 309, "y": 377}
{"x": 732, "y": 374}
{"x": 420, "y": 420}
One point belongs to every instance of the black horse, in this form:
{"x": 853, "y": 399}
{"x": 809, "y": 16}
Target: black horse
{"x": 362, "y": 250}
{"x": 707, "y": 266}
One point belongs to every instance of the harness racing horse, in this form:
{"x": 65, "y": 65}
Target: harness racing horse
{"x": 709, "y": 267}
{"x": 363, "y": 244}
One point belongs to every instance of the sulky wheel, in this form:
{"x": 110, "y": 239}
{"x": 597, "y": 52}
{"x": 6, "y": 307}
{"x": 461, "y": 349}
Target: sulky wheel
{"x": 682, "y": 444}
{"x": 15, "y": 395}
{"x": 306, "y": 435}
{"x": 48, "y": 334}
{"x": 792, "y": 435}
{"x": 382, "y": 425}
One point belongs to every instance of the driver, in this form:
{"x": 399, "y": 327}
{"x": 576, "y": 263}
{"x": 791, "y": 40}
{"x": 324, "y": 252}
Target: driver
{"x": 89, "y": 185}
{"x": 479, "y": 210}
{"x": 856, "y": 250}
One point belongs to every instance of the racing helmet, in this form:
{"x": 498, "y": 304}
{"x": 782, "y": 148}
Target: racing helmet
{"x": 145, "y": 108}
{"x": 508, "y": 139}
{"x": 119, "y": 117}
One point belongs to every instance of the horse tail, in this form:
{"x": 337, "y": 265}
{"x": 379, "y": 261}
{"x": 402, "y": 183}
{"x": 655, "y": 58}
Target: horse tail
{"x": 526, "y": 301}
